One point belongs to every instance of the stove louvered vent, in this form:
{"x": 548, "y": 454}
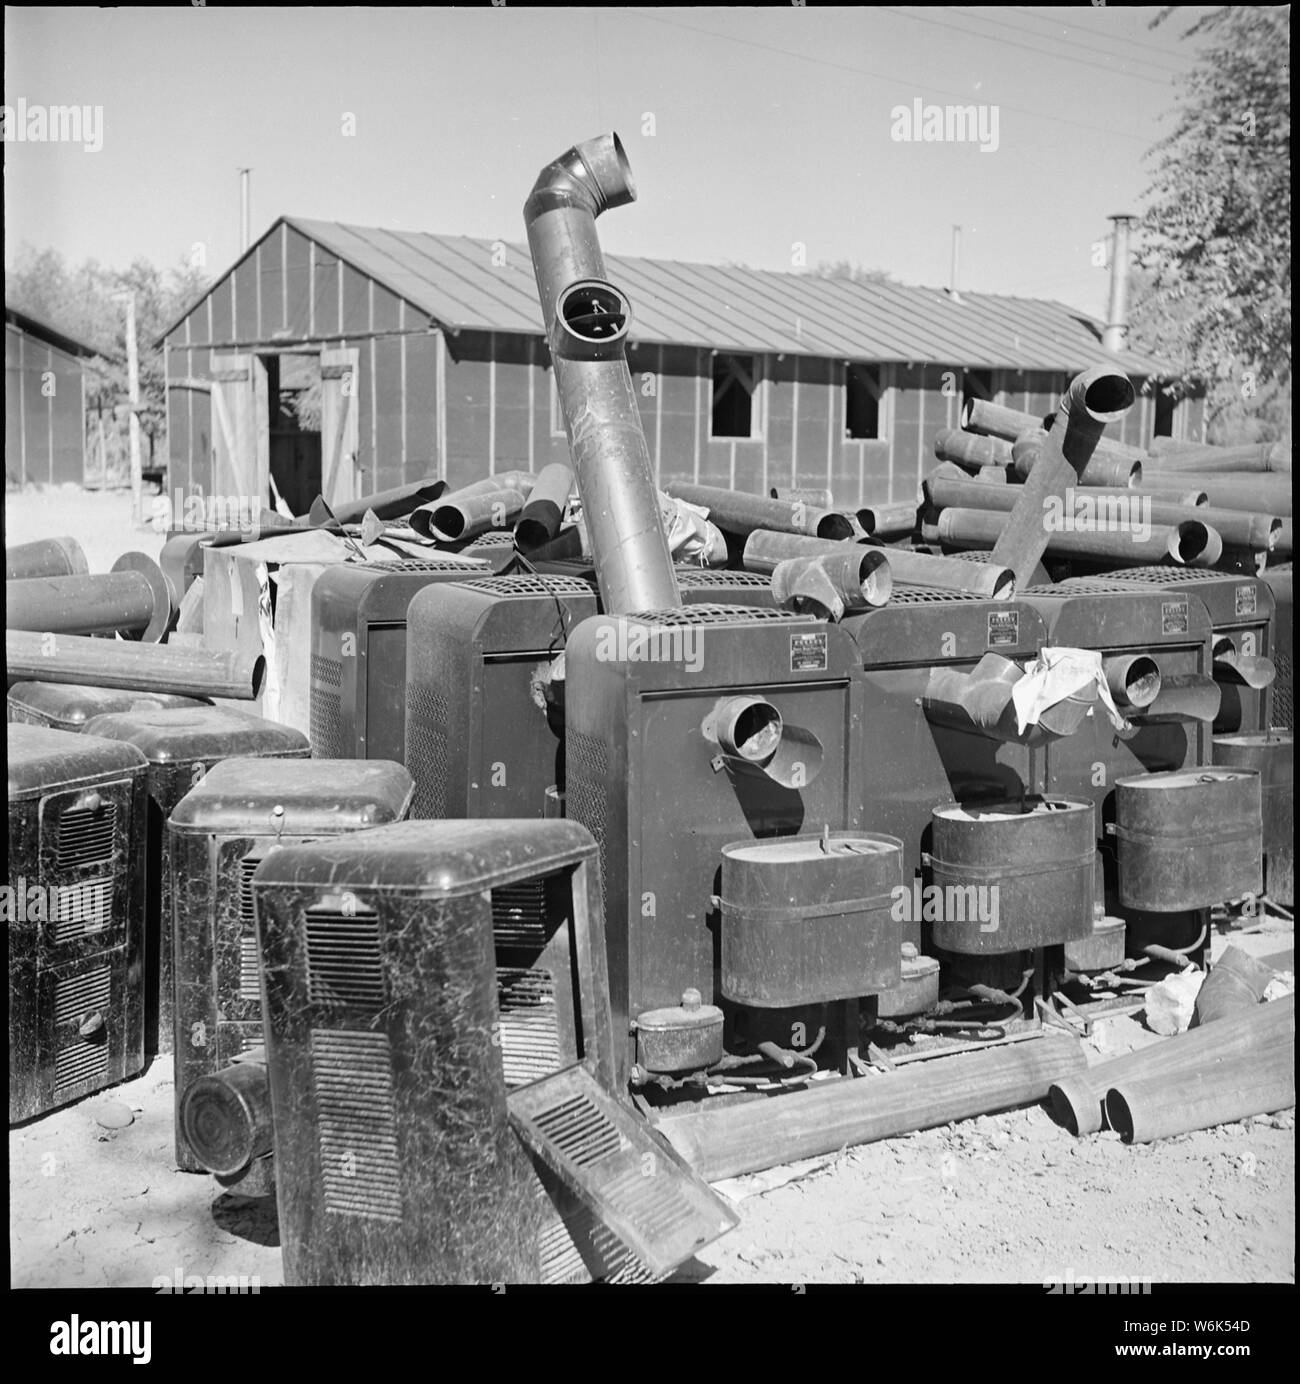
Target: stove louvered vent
{"x": 84, "y": 836}
{"x": 653, "y": 1212}
{"x": 343, "y": 963}
{"x": 81, "y": 909}
{"x": 357, "y": 1124}
{"x": 250, "y": 984}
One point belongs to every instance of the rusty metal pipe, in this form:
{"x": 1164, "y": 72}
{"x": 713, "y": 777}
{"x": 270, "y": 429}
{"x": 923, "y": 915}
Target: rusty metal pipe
{"x": 1235, "y": 985}
{"x": 1077, "y": 1102}
{"x": 544, "y": 513}
{"x": 764, "y": 550}
{"x": 133, "y": 599}
{"x": 972, "y": 450}
{"x": 893, "y": 520}
{"x": 586, "y": 319}
{"x": 1095, "y": 398}
{"x": 189, "y": 670}
{"x": 1237, "y": 528}
{"x": 1142, "y": 1109}
{"x": 1101, "y": 469}
{"x": 994, "y": 420}
{"x": 1257, "y": 494}
{"x": 979, "y": 416}
{"x": 421, "y": 519}
{"x": 396, "y": 503}
{"x": 46, "y": 557}
{"x": 1248, "y": 456}
{"x": 1243, "y": 670}
{"x": 818, "y": 499}
{"x": 1133, "y": 679}
{"x": 833, "y": 585}
{"x": 474, "y": 515}
{"x": 1189, "y": 543}
{"x": 738, "y": 513}
{"x": 225, "y": 1117}
{"x": 747, "y": 1138}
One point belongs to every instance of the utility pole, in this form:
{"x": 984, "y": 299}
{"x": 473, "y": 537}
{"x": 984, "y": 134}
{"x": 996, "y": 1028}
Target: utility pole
{"x": 245, "y": 236}
{"x": 133, "y": 395}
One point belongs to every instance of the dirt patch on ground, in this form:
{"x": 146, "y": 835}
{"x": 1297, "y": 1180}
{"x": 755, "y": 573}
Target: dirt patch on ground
{"x": 1006, "y": 1198}
{"x": 101, "y": 521}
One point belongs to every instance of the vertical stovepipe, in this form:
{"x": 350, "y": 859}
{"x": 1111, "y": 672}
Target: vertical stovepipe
{"x": 586, "y": 319}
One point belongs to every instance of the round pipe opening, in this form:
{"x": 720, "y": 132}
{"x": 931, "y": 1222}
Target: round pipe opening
{"x": 624, "y": 167}
{"x": 448, "y": 523}
{"x": 1192, "y": 540}
{"x": 216, "y": 1124}
{"x": 1134, "y": 681}
{"x": 1064, "y": 1110}
{"x": 1118, "y": 1114}
{"x": 750, "y": 729}
{"x": 593, "y": 311}
{"x": 875, "y": 578}
{"x": 836, "y": 526}
{"x": 1109, "y": 396}
{"x": 259, "y": 675}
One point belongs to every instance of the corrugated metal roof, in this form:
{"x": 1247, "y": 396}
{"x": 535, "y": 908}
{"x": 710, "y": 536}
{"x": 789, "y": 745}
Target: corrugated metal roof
{"x": 65, "y": 341}
{"x": 455, "y": 280}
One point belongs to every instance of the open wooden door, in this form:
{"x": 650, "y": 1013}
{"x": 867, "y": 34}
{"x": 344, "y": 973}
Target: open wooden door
{"x": 241, "y": 439}
{"x": 340, "y": 431}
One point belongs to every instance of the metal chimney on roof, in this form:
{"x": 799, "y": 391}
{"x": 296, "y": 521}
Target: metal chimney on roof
{"x": 954, "y": 284}
{"x": 1115, "y": 335}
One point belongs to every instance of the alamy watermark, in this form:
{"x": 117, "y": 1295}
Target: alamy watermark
{"x": 1084, "y": 1283}
{"x": 630, "y": 642}
{"x": 198, "y": 513}
{"x": 181, "y": 1282}
{"x": 1084, "y": 511}
{"x": 948, "y": 903}
{"x": 28, "y": 123}
{"x": 922, "y": 124}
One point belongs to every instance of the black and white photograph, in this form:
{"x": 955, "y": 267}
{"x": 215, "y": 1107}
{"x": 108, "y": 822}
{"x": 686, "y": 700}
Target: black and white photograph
{"x": 652, "y": 648}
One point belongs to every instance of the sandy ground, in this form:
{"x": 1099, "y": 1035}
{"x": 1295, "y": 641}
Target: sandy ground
{"x": 101, "y": 521}
{"x": 1008, "y": 1198}
{"x": 1005, "y": 1198}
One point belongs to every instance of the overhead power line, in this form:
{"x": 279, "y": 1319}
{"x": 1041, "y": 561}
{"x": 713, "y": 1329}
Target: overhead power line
{"x": 892, "y": 77}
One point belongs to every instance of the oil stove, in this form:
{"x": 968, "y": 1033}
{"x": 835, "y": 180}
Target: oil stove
{"x": 217, "y": 835}
{"x": 75, "y": 902}
{"x": 688, "y": 731}
{"x": 65, "y": 706}
{"x": 181, "y": 745}
{"x": 1241, "y": 613}
{"x": 1166, "y": 733}
{"x": 358, "y": 653}
{"x": 487, "y": 731}
{"x": 429, "y": 985}
{"x": 483, "y": 737}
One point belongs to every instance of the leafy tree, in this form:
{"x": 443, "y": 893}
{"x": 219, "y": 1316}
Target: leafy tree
{"x": 85, "y": 303}
{"x": 1217, "y": 242}
{"x": 855, "y": 273}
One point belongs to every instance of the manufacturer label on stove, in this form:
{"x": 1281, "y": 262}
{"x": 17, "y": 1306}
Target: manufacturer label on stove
{"x": 1245, "y": 600}
{"x": 1004, "y": 628}
{"x": 1173, "y": 616}
{"x": 808, "y": 653}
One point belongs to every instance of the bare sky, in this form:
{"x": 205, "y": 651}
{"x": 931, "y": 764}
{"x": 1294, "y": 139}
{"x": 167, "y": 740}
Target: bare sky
{"x": 750, "y": 131}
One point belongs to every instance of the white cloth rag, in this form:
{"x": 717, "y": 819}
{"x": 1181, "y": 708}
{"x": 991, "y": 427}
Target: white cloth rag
{"x": 1056, "y": 674}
